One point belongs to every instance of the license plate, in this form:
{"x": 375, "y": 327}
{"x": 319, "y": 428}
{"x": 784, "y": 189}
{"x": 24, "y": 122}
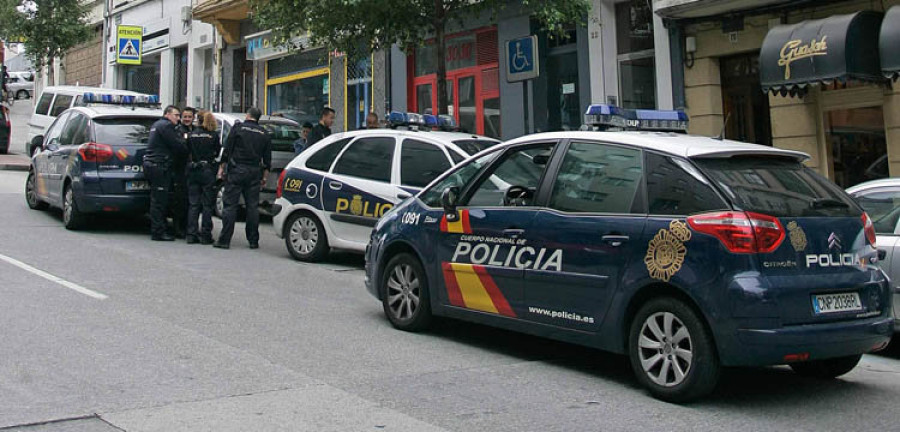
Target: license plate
{"x": 137, "y": 186}
{"x": 833, "y": 303}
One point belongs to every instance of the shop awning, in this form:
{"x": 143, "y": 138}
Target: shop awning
{"x": 838, "y": 48}
{"x": 889, "y": 43}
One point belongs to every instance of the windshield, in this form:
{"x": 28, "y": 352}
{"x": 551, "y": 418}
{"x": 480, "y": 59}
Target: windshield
{"x": 778, "y": 187}
{"x": 283, "y": 135}
{"x": 118, "y": 131}
{"x": 458, "y": 178}
{"x": 472, "y": 146}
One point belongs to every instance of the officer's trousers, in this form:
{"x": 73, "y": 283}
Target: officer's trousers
{"x": 160, "y": 178}
{"x": 241, "y": 180}
{"x": 179, "y": 203}
{"x": 201, "y": 196}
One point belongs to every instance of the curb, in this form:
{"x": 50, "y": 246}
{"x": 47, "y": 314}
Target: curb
{"x": 13, "y": 167}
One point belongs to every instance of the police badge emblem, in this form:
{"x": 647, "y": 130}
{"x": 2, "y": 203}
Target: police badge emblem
{"x": 356, "y": 206}
{"x": 666, "y": 251}
{"x": 798, "y": 237}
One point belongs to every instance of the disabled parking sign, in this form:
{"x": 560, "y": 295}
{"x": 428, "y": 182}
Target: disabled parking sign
{"x": 129, "y": 44}
{"x": 522, "y": 59}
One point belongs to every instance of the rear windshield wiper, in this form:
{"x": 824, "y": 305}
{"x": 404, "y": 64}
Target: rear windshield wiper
{"x": 827, "y": 202}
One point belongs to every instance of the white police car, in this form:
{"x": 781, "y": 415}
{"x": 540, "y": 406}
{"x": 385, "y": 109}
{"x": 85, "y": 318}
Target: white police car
{"x": 332, "y": 194}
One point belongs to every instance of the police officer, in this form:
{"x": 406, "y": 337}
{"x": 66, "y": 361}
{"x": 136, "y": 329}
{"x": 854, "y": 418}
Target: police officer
{"x": 164, "y": 145}
{"x": 179, "y": 181}
{"x": 247, "y": 159}
{"x": 203, "y": 148}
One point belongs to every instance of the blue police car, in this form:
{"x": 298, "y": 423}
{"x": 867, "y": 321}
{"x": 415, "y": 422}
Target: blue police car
{"x": 332, "y": 194}
{"x": 686, "y": 253}
{"x": 91, "y": 159}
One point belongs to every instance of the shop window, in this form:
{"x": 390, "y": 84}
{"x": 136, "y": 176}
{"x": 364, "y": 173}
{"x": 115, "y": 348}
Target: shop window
{"x": 359, "y": 93}
{"x": 637, "y": 66}
{"x": 858, "y": 144}
{"x": 296, "y": 63}
{"x": 744, "y": 106}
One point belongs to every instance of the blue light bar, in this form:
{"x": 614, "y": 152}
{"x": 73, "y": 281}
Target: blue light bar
{"x": 604, "y": 117}
{"x": 447, "y": 122}
{"x": 415, "y": 119}
{"x": 431, "y": 121}
{"x": 608, "y": 117}
{"x": 396, "y": 118}
{"x": 116, "y": 99}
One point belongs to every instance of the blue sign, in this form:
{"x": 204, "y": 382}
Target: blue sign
{"x": 522, "y": 59}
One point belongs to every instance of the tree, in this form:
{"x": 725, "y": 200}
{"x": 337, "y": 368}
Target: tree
{"x": 48, "y": 28}
{"x": 358, "y": 27}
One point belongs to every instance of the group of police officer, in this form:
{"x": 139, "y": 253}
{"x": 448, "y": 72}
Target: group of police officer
{"x": 181, "y": 161}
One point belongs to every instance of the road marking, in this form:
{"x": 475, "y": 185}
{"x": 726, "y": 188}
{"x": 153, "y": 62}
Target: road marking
{"x": 50, "y": 277}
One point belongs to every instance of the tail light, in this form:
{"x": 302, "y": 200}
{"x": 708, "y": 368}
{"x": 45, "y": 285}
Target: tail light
{"x": 280, "y": 187}
{"x": 868, "y": 228}
{"x": 93, "y": 152}
{"x": 741, "y": 232}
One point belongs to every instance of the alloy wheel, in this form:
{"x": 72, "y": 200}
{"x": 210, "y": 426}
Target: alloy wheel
{"x": 403, "y": 293}
{"x": 665, "y": 349}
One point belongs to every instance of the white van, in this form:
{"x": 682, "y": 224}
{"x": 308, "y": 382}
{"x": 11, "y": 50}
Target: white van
{"x": 53, "y": 101}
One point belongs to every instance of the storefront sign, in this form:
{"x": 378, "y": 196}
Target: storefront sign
{"x": 793, "y": 51}
{"x": 264, "y": 46}
{"x": 522, "y": 59}
{"x": 129, "y": 44}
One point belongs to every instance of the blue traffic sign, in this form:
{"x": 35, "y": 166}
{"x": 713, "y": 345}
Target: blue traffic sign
{"x": 522, "y": 59}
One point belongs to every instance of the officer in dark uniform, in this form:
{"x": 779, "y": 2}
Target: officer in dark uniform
{"x": 203, "y": 147}
{"x": 165, "y": 144}
{"x": 179, "y": 205}
{"x": 245, "y": 165}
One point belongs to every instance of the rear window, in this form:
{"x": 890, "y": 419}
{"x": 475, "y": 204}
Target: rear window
{"x": 44, "y": 104}
{"x": 61, "y": 104}
{"x": 778, "y": 187}
{"x": 473, "y": 146}
{"x": 119, "y": 131}
{"x": 283, "y": 135}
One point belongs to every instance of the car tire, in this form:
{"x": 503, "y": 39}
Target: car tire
{"x": 671, "y": 351}
{"x": 73, "y": 219}
{"x": 22, "y": 94}
{"x": 404, "y": 294}
{"x": 305, "y": 237}
{"x": 828, "y": 368}
{"x": 31, "y": 197}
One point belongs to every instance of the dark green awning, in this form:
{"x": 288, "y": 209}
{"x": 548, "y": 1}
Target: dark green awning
{"x": 889, "y": 43}
{"x": 838, "y": 48}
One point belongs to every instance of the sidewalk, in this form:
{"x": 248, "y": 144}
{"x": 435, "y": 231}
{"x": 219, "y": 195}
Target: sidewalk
{"x": 14, "y": 162}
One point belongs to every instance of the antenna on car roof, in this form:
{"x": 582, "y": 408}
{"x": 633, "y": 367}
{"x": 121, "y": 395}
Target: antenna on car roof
{"x": 721, "y": 136}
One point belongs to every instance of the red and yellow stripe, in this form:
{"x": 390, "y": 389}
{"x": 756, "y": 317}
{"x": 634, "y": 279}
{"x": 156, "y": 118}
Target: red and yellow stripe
{"x": 122, "y": 154}
{"x": 460, "y": 226}
{"x": 470, "y": 286}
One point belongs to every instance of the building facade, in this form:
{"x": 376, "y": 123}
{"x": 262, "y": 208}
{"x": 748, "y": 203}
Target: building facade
{"x": 795, "y": 75}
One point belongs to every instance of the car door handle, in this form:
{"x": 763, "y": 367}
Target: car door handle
{"x": 882, "y": 254}
{"x": 335, "y": 185}
{"x": 513, "y": 232}
{"x": 615, "y": 240}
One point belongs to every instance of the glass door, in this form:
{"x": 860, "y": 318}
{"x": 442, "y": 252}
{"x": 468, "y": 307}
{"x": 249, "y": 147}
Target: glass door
{"x": 858, "y": 145}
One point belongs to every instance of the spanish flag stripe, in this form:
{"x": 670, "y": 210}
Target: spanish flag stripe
{"x": 464, "y": 219}
{"x": 453, "y": 292}
{"x": 494, "y": 292}
{"x": 473, "y": 292}
{"x": 444, "y": 224}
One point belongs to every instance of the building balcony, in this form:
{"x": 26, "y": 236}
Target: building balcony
{"x": 686, "y": 9}
{"x": 225, "y": 15}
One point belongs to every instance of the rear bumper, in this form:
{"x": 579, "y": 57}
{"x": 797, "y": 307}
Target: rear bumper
{"x": 130, "y": 203}
{"x": 760, "y": 347}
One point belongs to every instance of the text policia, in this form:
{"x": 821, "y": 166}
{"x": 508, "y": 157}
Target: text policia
{"x": 506, "y": 252}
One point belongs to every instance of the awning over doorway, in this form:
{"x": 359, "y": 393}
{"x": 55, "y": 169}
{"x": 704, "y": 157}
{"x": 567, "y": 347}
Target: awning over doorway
{"x": 889, "y": 43}
{"x": 840, "y": 47}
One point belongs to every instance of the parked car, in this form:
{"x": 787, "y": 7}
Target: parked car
{"x": 21, "y": 84}
{"x": 90, "y": 161}
{"x": 56, "y": 99}
{"x": 881, "y": 200}
{"x": 5, "y": 129}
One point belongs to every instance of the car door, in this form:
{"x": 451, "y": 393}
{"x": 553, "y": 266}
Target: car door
{"x": 587, "y": 235}
{"x": 48, "y": 161}
{"x": 882, "y": 204}
{"x": 73, "y": 134}
{"x": 359, "y": 189}
{"x": 485, "y": 250}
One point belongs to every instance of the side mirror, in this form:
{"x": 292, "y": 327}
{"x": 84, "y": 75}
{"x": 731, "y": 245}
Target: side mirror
{"x": 449, "y": 198}
{"x": 52, "y": 145}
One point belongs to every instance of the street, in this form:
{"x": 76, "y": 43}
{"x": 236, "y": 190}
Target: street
{"x": 104, "y": 330}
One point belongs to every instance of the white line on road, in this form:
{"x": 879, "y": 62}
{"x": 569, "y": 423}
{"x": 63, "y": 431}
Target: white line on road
{"x": 50, "y": 277}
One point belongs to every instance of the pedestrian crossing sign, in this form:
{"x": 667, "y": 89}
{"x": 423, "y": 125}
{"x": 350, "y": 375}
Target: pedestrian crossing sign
{"x": 129, "y": 46}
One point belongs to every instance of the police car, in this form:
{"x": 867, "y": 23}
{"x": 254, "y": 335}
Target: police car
{"x": 686, "y": 253}
{"x": 91, "y": 159}
{"x": 332, "y": 194}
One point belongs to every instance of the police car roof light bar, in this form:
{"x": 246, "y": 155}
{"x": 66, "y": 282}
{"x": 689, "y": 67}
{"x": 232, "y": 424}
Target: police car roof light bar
{"x": 603, "y": 117}
{"x": 114, "y": 99}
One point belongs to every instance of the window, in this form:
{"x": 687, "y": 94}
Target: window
{"x": 520, "y": 168}
{"x": 323, "y": 158}
{"x": 459, "y": 178}
{"x": 75, "y": 131}
{"x": 53, "y": 132}
{"x": 61, "y": 104}
{"x": 457, "y": 158}
{"x": 634, "y": 40}
{"x": 283, "y": 135}
{"x": 883, "y": 206}
{"x": 421, "y": 162}
{"x": 368, "y": 158}
{"x": 598, "y": 178}
{"x": 472, "y": 146}
{"x": 123, "y": 130}
{"x": 675, "y": 187}
{"x": 44, "y": 104}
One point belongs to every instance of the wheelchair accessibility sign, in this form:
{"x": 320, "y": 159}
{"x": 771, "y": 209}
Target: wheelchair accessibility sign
{"x": 129, "y": 44}
{"x": 522, "y": 59}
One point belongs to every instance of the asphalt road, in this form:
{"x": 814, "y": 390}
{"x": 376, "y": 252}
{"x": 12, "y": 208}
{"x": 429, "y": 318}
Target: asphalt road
{"x": 104, "y": 330}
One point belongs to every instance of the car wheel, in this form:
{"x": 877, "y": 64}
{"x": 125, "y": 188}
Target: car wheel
{"x": 405, "y": 294}
{"x": 828, "y": 368}
{"x": 72, "y": 218}
{"x": 31, "y": 197}
{"x": 305, "y": 237}
{"x": 21, "y": 94}
{"x": 671, "y": 352}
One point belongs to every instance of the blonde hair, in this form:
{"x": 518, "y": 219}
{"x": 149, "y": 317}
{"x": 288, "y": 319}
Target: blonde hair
{"x": 208, "y": 121}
